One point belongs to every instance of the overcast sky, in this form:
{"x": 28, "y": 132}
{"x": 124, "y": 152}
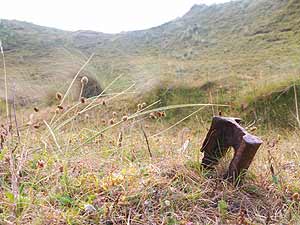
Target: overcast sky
{"x": 110, "y": 16}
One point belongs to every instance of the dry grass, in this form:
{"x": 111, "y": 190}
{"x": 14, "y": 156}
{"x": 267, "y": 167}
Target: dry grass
{"x": 105, "y": 182}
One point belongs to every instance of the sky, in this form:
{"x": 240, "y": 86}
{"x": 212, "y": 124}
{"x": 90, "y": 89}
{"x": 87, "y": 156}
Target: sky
{"x": 109, "y": 16}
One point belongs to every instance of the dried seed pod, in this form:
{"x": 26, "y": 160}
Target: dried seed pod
{"x": 152, "y": 116}
{"x": 296, "y": 197}
{"x": 36, "y": 126}
{"x": 103, "y": 121}
{"x": 40, "y": 164}
{"x": 60, "y": 107}
{"x": 114, "y": 114}
{"x": 158, "y": 114}
{"x": 84, "y": 80}
{"x": 139, "y": 106}
{"x": 144, "y": 104}
{"x": 111, "y": 121}
{"x": 82, "y": 100}
{"x": 58, "y": 96}
{"x": 36, "y": 109}
{"x": 125, "y": 118}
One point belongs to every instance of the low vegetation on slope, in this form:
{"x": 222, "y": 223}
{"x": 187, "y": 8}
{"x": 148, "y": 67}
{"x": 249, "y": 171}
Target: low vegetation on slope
{"x": 275, "y": 106}
{"x": 248, "y": 39}
{"x": 112, "y": 164}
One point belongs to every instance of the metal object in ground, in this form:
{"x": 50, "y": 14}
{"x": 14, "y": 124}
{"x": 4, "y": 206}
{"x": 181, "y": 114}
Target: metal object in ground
{"x": 226, "y": 132}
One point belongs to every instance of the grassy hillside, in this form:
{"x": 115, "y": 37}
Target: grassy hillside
{"x": 253, "y": 40}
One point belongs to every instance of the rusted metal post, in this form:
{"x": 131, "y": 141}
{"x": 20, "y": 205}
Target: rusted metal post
{"x": 226, "y": 132}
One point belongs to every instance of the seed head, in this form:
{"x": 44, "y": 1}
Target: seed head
{"x": 82, "y": 100}
{"x": 139, "y": 106}
{"x": 296, "y": 197}
{"x": 58, "y": 96}
{"x": 159, "y": 114}
{"x": 36, "y": 126}
{"x": 84, "y": 80}
{"x": 40, "y": 164}
{"x": 111, "y": 121}
{"x": 60, "y": 107}
{"x": 152, "y": 116}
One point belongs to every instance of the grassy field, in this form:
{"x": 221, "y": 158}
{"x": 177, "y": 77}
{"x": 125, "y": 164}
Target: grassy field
{"x": 105, "y": 161}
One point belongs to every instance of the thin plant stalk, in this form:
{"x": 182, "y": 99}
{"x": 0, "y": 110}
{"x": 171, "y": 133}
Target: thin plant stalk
{"x": 5, "y": 80}
{"x": 53, "y": 135}
{"x": 296, "y": 105}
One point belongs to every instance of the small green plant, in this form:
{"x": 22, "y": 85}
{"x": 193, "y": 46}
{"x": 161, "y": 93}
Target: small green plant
{"x": 223, "y": 208}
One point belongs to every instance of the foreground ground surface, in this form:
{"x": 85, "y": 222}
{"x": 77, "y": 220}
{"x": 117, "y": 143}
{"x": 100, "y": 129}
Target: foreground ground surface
{"x": 95, "y": 167}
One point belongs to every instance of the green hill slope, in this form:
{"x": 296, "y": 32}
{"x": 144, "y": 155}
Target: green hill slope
{"x": 247, "y": 41}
